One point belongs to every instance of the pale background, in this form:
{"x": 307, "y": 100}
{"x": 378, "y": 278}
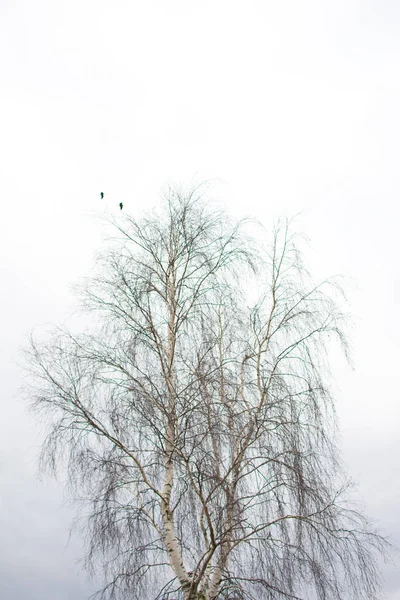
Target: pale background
{"x": 291, "y": 106}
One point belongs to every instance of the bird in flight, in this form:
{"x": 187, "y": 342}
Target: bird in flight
{"x": 121, "y": 205}
{"x": 102, "y": 195}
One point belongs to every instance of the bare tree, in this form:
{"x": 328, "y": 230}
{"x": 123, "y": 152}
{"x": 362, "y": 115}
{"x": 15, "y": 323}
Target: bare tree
{"x": 200, "y": 430}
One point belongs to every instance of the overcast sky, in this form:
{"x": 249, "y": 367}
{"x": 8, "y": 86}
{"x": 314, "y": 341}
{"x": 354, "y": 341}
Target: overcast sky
{"x": 290, "y": 106}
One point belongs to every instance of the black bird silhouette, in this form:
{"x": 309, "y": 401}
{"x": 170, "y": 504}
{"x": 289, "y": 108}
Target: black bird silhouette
{"x": 102, "y": 195}
{"x": 121, "y": 205}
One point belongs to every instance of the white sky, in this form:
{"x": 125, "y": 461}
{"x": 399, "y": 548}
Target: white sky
{"x": 292, "y": 106}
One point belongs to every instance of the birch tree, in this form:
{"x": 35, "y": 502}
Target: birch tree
{"x": 197, "y": 424}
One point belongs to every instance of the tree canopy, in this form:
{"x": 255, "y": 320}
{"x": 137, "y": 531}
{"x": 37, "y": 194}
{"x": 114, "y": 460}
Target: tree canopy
{"x": 197, "y": 424}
